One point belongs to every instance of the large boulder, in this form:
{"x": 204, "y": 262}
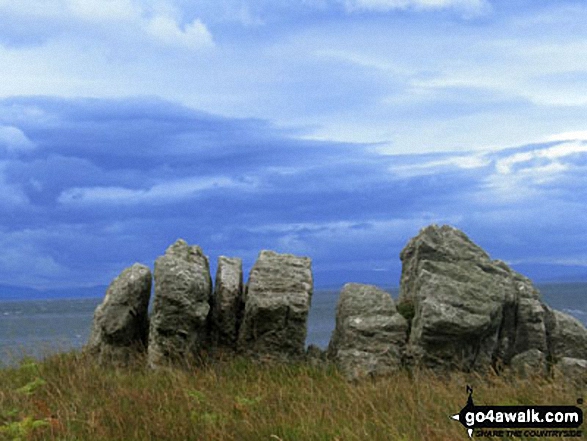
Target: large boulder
{"x": 529, "y": 363}
{"x": 370, "y": 334}
{"x": 469, "y": 312}
{"x": 567, "y": 336}
{"x": 572, "y": 370}
{"x": 121, "y": 324}
{"x": 227, "y": 303}
{"x": 183, "y": 287}
{"x": 277, "y": 301}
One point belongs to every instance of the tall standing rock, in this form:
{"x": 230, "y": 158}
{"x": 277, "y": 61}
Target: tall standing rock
{"x": 370, "y": 334}
{"x": 277, "y": 301}
{"x": 121, "y": 324}
{"x": 183, "y": 288}
{"x": 227, "y": 302}
{"x": 529, "y": 329}
{"x": 470, "y": 312}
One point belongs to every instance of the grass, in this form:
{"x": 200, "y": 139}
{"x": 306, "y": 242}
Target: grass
{"x": 68, "y": 397}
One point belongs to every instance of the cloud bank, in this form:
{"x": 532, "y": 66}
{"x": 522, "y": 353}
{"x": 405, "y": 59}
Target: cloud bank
{"x": 30, "y": 22}
{"x": 468, "y": 6}
{"x": 89, "y": 186}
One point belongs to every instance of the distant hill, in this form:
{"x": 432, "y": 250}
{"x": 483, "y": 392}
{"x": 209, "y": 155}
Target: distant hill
{"x": 567, "y": 297}
{"x": 11, "y": 292}
{"x": 549, "y": 274}
{"x": 563, "y": 296}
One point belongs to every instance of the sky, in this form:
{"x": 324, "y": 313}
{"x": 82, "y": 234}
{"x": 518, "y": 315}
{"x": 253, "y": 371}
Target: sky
{"x": 334, "y": 129}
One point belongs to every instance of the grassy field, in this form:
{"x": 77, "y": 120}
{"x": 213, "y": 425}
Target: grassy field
{"x": 67, "y": 397}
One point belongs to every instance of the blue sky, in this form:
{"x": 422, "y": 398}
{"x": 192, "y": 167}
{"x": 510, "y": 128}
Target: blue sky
{"x": 329, "y": 128}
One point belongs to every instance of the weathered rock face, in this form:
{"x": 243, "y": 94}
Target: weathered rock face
{"x": 315, "y": 356}
{"x": 183, "y": 287}
{"x": 573, "y": 370}
{"x": 568, "y": 336}
{"x": 529, "y": 363}
{"x": 458, "y": 309}
{"x": 121, "y": 325}
{"x": 470, "y": 312}
{"x": 370, "y": 334}
{"x": 227, "y": 302}
{"x": 277, "y": 301}
{"x": 530, "y": 328}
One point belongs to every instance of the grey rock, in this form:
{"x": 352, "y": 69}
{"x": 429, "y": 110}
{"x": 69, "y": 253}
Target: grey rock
{"x": 315, "y": 356}
{"x": 568, "y": 336}
{"x": 470, "y": 312}
{"x": 121, "y": 325}
{"x": 227, "y": 303}
{"x": 530, "y": 363}
{"x": 531, "y": 316}
{"x": 572, "y": 370}
{"x": 277, "y": 301}
{"x": 370, "y": 334}
{"x": 179, "y": 323}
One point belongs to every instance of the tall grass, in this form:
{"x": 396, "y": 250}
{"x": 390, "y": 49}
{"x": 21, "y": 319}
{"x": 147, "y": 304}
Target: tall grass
{"x": 68, "y": 397}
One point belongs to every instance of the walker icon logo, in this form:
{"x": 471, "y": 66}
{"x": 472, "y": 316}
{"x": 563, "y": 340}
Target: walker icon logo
{"x": 490, "y": 421}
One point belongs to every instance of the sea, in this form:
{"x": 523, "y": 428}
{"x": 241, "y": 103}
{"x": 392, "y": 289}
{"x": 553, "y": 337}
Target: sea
{"x": 40, "y": 327}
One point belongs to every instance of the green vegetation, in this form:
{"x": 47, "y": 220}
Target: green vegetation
{"x": 407, "y": 309}
{"x": 68, "y": 397}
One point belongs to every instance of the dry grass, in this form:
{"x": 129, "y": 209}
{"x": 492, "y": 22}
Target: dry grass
{"x": 67, "y": 397}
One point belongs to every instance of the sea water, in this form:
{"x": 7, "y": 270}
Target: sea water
{"x": 40, "y": 327}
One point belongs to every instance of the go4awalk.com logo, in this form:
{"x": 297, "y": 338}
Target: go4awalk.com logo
{"x": 518, "y": 421}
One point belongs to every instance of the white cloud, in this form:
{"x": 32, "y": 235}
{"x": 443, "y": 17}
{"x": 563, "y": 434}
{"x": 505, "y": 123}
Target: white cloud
{"x": 465, "y": 162}
{"x": 12, "y": 256}
{"x": 10, "y": 195}
{"x": 114, "y": 20}
{"x": 504, "y": 166}
{"x": 520, "y": 176}
{"x": 562, "y": 150}
{"x": 580, "y": 135}
{"x": 25, "y": 261}
{"x": 14, "y": 139}
{"x": 48, "y": 8}
{"x": 166, "y": 30}
{"x": 403, "y": 85}
{"x": 159, "y": 193}
{"x": 90, "y": 10}
{"x": 540, "y": 165}
{"x": 368, "y": 231}
{"x": 104, "y": 10}
{"x": 542, "y": 75}
{"x": 469, "y": 6}
{"x": 571, "y": 261}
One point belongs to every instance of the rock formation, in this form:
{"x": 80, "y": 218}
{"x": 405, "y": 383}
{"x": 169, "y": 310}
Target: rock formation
{"x": 464, "y": 311}
{"x": 567, "y": 345}
{"x": 370, "y": 334}
{"x": 458, "y": 309}
{"x": 315, "y": 356}
{"x": 568, "y": 336}
{"x": 573, "y": 370}
{"x": 471, "y": 312}
{"x": 277, "y": 301}
{"x": 178, "y": 329}
{"x": 529, "y": 363}
{"x": 227, "y": 303}
{"x": 120, "y": 327}
{"x": 458, "y": 296}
